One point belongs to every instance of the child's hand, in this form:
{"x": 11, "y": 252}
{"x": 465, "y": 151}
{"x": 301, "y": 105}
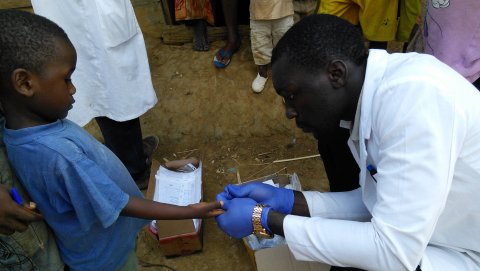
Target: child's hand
{"x": 207, "y": 209}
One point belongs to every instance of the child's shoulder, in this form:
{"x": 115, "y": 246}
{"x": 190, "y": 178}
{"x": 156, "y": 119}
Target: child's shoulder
{"x": 61, "y": 138}
{"x": 72, "y": 141}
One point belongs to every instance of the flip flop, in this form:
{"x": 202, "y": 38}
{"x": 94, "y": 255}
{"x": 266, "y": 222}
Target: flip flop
{"x": 218, "y": 62}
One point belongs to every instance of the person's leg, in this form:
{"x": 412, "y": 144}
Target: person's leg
{"x": 340, "y": 166}
{"x": 229, "y": 8}
{"x": 264, "y": 36}
{"x": 280, "y": 27}
{"x": 261, "y": 40}
{"x": 124, "y": 139}
{"x": 230, "y": 12}
{"x": 200, "y": 38}
{"x": 263, "y": 70}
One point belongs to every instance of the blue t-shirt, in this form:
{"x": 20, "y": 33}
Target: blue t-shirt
{"x": 80, "y": 187}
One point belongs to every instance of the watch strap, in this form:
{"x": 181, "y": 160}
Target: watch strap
{"x": 258, "y": 229}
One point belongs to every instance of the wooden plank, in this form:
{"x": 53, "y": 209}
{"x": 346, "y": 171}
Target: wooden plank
{"x": 15, "y": 4}
{"x": 178, "y": 34}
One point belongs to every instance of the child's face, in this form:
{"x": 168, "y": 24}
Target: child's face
{"x": 54, "y": 89}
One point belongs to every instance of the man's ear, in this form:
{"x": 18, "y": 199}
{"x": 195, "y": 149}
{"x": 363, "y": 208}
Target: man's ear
{"x": 22, "y": 82}
{"x": 337, "y": 73}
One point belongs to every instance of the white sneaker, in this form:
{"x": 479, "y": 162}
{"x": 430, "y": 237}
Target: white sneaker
{"x": 259, "y": 83}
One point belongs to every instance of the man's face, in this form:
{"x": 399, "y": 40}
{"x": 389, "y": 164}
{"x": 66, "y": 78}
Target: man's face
{"x": 310, "y": 98}
{"x": 54, "y": 89}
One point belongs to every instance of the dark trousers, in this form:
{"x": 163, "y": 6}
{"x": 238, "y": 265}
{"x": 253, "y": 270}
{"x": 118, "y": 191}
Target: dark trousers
{"x": 340, "y": 166}
{"x": 124, "y": 139}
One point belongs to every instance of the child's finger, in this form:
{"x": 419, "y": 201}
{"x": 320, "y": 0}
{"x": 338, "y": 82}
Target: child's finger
{"x": 215, "y": 212}
{"x": 30, "y": 206}
{"x": 215, "y": 204}
{"x": 221, "y": 198}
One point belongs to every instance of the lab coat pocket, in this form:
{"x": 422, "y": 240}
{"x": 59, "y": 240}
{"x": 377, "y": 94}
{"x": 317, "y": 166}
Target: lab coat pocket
{"x": 117, "y": 21}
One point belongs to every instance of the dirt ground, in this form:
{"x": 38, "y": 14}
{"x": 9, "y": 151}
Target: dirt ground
{"x": 212, "y": 114}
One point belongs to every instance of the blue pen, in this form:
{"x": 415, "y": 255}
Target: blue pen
{"x": 373, "y": 170}
{"x": 15, "y": 196}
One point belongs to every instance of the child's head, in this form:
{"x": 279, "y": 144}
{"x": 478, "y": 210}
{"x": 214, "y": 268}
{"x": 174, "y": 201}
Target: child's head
{"x": 36, "y": 62}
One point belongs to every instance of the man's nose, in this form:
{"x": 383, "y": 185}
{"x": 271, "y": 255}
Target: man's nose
{"x": 290, "y": 113}
{"x": 73, "y": 89}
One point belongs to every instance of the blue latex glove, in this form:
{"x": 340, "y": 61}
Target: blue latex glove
{"x": 237, "y": 219}
{"x": 280, "y": 199}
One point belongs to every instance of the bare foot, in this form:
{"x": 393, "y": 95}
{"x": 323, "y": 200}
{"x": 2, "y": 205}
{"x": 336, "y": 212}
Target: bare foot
{"x": 200, "y": 38}
{"x": 228, "y": 50}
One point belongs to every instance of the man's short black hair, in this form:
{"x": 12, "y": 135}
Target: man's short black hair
{"x": 26, "y": 41}
{"x": 317, "y": 39}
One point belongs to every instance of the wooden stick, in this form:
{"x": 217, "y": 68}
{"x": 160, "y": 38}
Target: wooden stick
{"x": 235, "y": 160}
{"x": 185, "y": 151}
{"x": 188, "y": 155}
{"x": 239, "y": 180}
{"x": 261, "y": 164}
{"x": 249, "y": 177}
{"x": 284, "y": 168}
{"x": 296, "y": 158}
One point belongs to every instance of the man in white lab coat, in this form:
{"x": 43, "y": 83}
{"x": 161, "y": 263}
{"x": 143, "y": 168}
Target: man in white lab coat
{"x": 415, "y": 133}
{"x": 112, "y": 75}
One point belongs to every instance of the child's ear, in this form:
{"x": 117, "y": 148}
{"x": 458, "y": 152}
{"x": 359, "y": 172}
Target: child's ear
{"x": 22, "y": 82}
{"x": 337, "y": 73}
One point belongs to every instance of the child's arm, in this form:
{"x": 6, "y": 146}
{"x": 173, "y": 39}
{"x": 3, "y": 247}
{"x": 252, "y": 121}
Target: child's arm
{"x": 148, "y": 209}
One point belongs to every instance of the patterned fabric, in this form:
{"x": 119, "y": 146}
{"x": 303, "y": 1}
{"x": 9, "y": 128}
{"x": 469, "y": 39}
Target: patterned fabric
{"x": 194, "y": 9}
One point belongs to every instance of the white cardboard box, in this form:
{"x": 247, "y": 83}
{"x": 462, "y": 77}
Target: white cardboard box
{"x": 174, "y": 237}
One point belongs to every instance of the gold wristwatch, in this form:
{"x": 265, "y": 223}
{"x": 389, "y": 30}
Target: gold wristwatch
{"x": 258, "y": 229}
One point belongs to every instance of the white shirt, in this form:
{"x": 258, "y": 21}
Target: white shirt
{"x": 112, "y": 75}
{"x": 418, "y": 123}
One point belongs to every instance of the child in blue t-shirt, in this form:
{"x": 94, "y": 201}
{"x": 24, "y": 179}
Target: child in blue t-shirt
{"x": 82, "y": 189}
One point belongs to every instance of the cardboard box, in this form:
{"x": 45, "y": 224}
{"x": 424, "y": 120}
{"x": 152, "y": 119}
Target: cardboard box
{"x": 175, "y": 237}
{"x": 280, "y": 258}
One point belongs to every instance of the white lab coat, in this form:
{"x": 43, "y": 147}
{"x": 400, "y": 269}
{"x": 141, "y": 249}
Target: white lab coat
{"x": 418, "y": 123}
{"x": 112, "y": 75}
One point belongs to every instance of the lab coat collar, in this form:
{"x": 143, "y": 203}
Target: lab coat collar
{"x": 376, "y": 66}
